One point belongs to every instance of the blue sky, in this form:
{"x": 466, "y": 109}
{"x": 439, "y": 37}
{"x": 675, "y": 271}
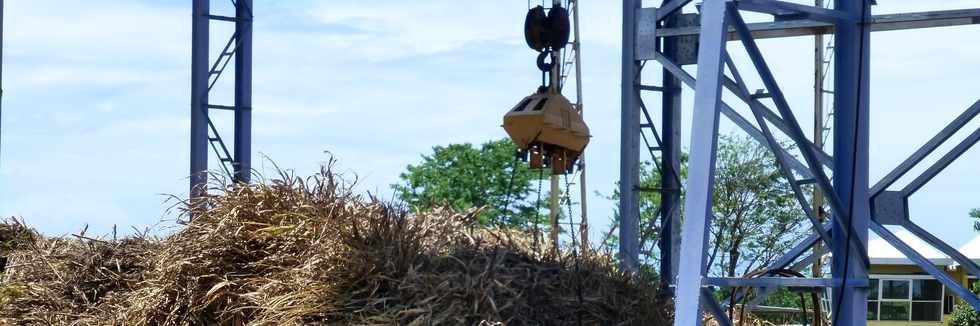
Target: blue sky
{"x": 95, "y": 115}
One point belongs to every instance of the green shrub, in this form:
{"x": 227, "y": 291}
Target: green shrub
{"x": 964, "y": 314}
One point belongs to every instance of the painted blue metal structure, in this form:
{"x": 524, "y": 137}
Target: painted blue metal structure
{"x": 856, "y": 207}
{"x": 237, "y": 161}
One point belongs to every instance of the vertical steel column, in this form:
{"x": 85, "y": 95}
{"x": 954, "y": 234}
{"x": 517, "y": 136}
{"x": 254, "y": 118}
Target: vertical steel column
{"x": 851, "y": 126}
{"x": 200, "y": 35}
{"x": 243, "y": 91}
{"x": 701, "y": 168}
{"x": 670, "y": 195}
{"x": 629, "y": 151}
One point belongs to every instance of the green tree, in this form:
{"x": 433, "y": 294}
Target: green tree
{"x": 964, "y": 314}
{"x": 756, "y": 216}
{"x": 756, "y": 213}
{"x": 462, "y": 176}
{"x": 649, "y": 214}
{"x": 975, "y": 214}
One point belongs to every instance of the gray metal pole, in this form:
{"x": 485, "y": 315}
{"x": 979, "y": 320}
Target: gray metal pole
{"x": 851, "y": 126}
{"x": 583, "y": 190}
{"x": 629, "y": 151}
{"x": 554, "y": 195}
{"x": 243, "y": 92}
{"x": 670, "y": 196}
{"x": 818, "y": 133}
{"x": 200, "y": 33}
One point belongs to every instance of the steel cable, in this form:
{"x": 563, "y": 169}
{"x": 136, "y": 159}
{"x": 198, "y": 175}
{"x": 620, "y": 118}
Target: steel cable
{"x": 575, "y": 256}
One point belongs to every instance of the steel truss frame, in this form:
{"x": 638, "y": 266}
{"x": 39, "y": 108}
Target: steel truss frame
{"x": 236, "y": 162}
{"x": 649, "y": 35}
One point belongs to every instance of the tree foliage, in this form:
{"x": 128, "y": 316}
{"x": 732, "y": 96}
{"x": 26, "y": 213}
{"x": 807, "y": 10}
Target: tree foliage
{"x": 649, "y": 213}
{"x": 756, "y": 215}
{"x": 964, "y": 314}
{"x": 463, "y": 176}
{"x": 975, "y": 214}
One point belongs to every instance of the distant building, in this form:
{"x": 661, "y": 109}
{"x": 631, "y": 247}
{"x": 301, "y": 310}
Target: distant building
{"x": 902, "y": 293}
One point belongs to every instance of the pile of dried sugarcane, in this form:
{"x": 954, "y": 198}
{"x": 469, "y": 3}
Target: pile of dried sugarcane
{"x": 295, "y": 251}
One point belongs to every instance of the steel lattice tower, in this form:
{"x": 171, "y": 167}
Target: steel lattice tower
{"x": 674, "y": 39}
{"x": 236, "y": 161}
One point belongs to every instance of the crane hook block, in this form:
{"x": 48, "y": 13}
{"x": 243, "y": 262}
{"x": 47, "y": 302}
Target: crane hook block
{"x": 550, "y": 30}
{"x": 548, "y": 130}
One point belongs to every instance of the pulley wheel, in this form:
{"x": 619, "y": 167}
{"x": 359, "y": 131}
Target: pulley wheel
{"x": 559, "y": 28}
{"x": 536, "y": 27}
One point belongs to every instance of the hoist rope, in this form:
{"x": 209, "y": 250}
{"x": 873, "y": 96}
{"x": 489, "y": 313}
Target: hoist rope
{"x": 505, "y": 214}
{"x": 575, "y": 256}
{"x": 537, "y": 212}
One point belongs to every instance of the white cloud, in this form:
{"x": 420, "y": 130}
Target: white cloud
{"x": 87, "y": 31}
{"x": 397, "y": 28}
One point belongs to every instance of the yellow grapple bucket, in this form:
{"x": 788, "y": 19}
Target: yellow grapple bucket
{"x": 548, "y": 128}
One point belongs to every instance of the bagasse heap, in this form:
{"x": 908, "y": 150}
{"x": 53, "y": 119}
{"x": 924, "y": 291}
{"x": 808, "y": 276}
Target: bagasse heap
{"x": 309, "y": 251}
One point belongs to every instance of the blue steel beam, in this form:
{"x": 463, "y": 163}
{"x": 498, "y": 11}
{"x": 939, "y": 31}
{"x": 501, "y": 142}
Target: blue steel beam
{"x": 782, "y": 8}
{"x": 670, "y": 194}
{"x": 765, "y": 291}
{"x": 781, "y": 161}
{"x": 776, "y": 121}
{"x": 941, "y": 164}
{"x": 778, "y": 281}
{"x": 669, "y": 8}
{"x": 850, "y": 146}
{"x": 797, "y": 251}
{"x": 675, "y": 69}
{"x": 926, "y": 265}
{"x": 851, "y": 137}
{"x": 837, "y": 203}
{"x": 927, "y": 149}
{"x": 716, "y": 310}
{"x": 943, "y": 247}
{"x": 880, "y": 23}
{"x": 704, "y": 145}
{"x": 243, "y": 92}
{"x": 788, "y": 258}
{"x": 734, "y": 116}
{"x": 204, "y": 76}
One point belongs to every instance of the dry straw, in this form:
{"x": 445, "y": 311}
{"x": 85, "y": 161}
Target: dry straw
{"x": 295, "y": 251}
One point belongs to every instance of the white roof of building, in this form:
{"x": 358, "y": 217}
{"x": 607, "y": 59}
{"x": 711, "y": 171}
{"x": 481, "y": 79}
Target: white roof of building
{"x": 971, "y": 249}
{"x": 883, "y": 253}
